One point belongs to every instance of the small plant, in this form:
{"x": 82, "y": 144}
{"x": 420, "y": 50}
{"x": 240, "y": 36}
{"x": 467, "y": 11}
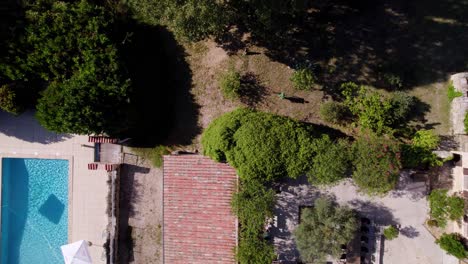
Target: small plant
{"x": 333, "y": 112}
{"x": 391, "y": 232}
{"x": 465, "y": 121}
{"x": 452, "y": 93}
{"x": 9, "y": 100}
{"x": 393, "y": 80}
{"x": 303, "y": 79}
{"x": 230, "y": 84}
{"x": 452, "y": 243}
{"x": 432, "y": 223}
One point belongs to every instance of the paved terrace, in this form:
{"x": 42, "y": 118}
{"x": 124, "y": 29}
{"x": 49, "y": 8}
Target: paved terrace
{"x": 23, "y": 137}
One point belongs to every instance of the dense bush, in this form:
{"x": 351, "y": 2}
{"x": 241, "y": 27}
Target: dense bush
{"x": 452, "y": 93}
{"x": 9, "y": 100}
{"x": 230, "y": 84}
{"x": 188, "y": 19}
{"x": 393, "y": 81}
{"x": 331, "y": 161}
{"x": 333, "y": 112}
{"x": 260, "y": 145}
{"x": 323, "y": 229}
{"x": 452, "y": 243}
{"x": 374, "y": 110}
{"x": 402, "y": 105}
{"x": 376, "y": 162}
{"x": 444, "y": 207}
{"x": 391, "y": 232}
{"x": 253, "y": 204}
{"x": 303, "y": 79}
{"x": 66, "y": 47}
{"x": 419, "y": 152}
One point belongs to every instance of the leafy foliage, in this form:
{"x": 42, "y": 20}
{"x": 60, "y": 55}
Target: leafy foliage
{"x": 465, "y": 122}
{"x": 259, "y": 145}
{"x": 9, "y": 100}
{"x": 230, "y": 84}
{"x": 188, "y": 19}
{"x": 419, "y": 152}
{"x": 391, "y": 232}
{"x": 323, "y": 229}
{"x": 375, "y": 111}
{"x": 331, "y": 161}
{"x": 452, "y": 243}
{"x": 252, "y": 205}
{"x": 444, "y": 207}
{"x": 303, "y": 79}
{"x": 452, "y": 93}
{"x": 376, "y": 162}
{"x": 67, "y": 48}
{"x": 333, "y": 112}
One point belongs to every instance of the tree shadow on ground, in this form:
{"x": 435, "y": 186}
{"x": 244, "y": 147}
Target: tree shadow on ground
{"x": 163, "y": 109}
{"x": 27, "y": 128}
{"x": 391, "y": 44}
{"x": 128, "y": 197}
{"x": 252, "y": 91}
{"x": 409, "y": 231}
{"x": 378, "y": 213}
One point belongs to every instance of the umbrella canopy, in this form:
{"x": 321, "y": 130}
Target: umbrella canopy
{"x": 76, "y": 253}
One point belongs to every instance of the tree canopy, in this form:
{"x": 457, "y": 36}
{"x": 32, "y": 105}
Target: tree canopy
{"x": 67, "y": 56}
{"x": 323, "y": 229}
{"x": 376, "y": 163}
{"x": 260, "y": 145}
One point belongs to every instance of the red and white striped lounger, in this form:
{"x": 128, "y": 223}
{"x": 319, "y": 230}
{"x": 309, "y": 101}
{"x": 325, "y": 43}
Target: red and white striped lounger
{"x": 110, "y": 167}
{"x": 102, "y": 139}
{"x": 92, "y": 166}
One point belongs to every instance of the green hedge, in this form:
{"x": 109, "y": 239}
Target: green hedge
{"x": 452, "y": 243}
{"x": 260, "y": 145}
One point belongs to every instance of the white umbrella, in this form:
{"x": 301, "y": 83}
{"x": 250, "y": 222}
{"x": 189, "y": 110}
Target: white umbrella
{"x": 76, "y": 253}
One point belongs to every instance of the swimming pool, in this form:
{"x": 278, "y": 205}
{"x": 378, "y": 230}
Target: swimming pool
{"x": 34, "y": 221}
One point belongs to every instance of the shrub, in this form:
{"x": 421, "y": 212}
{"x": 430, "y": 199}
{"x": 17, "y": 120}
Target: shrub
{"x": 303, "y": 79}
{"x": 376, "y": 163}
{"x": 253, "y": 204}
{"x": 331, "y": 161}
{"x": 260, "y": 145}
{"x": 452, "y": 93}
{"x": 9, "y": 100}
{"x": 432, "y": 223}
{"x": 393, "y": 80}
{"x": 419, "y": 152}
{"x": 371, "y": 108}
{"x": 391, "y": 232}
{"x": 333, "y": 112}
{"x": 452, "y": 243}
{"x": 444, "y": 207}
{"x": 402, "y": 105}
{"x": 230, "y": 84}
{"x": 323, "y": 229}
{"x": 465, "y": 122}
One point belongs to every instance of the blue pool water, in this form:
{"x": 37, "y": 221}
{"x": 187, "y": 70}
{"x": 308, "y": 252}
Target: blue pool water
{"x": 34, "y": 222}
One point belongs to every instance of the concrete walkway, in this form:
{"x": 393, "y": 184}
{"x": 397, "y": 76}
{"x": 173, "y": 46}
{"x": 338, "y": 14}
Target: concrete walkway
{"x": 23, "y": 137}
{"x": 406, "y": 206}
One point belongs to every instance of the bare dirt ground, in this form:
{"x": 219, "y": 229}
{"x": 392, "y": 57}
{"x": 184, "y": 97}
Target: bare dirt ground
{"x": 140, "y": 212}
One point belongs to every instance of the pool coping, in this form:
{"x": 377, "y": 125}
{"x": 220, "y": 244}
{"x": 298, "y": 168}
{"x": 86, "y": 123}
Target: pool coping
{"x": 36, "y": 155}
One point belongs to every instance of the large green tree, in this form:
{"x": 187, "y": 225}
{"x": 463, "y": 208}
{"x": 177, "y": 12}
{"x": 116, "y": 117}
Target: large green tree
{"x": 376, "y": 162}
{"x": 188, "y": 19}
{"x": 453, "y": 244}
{"x": 67, "y": 56}
{"x": 323, "y": 229}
